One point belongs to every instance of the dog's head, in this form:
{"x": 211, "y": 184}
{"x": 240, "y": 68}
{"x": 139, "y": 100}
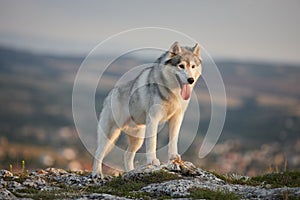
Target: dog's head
{"x": 186, "y": 64}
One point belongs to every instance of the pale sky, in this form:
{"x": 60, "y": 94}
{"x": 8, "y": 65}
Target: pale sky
{"x": 265, "y": 30}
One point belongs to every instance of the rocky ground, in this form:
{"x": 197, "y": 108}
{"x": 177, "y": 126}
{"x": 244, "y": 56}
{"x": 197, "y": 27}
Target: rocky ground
{"x": 177, "y": 179}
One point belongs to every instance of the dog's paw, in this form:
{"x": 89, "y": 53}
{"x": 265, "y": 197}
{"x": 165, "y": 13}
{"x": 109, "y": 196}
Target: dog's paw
{"x": 155, "y": 162}
{"x": 173, "y": 157}
{"x": 97, "y": 177}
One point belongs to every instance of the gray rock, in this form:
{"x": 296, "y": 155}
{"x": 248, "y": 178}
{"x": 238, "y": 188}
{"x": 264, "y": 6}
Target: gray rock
{"x": 6, "y": 194}
{"x": 14, "y": 186}
{"x": 174, "y": 188}
{"x": 3, "y": 183}
{"x": 36, "y": 183}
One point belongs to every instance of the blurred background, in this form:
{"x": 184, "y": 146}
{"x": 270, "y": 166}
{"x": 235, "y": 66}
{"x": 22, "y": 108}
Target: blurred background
{"x": 255, "y": 44}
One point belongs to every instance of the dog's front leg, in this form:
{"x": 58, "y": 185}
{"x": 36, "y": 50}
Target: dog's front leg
{"x": 175, "y": 124}
{"x": 151, "y": 137}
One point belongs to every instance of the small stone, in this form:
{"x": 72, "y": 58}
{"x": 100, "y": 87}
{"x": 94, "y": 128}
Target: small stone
{"x": 56, "y": 171}
{"x": 42, "y": 171}
{"x": 268, "y": 186}
{"x": 4, "y": 173}
{"x": 175, "y": 167}
{"x": 101, "y": 196}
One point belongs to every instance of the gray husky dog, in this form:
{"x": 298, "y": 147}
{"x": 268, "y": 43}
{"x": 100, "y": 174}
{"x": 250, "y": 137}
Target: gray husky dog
{"x": 158, "y": 94}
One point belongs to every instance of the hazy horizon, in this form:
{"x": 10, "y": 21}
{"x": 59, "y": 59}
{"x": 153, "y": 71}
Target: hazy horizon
{"x": 147, "y": 57}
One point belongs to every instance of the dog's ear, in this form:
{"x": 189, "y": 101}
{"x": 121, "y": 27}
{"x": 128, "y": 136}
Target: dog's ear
{"x": 196, "y": 49}
{"x": 174, "y": 50}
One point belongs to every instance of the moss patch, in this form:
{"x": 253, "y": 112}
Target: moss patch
{"x": 200, "y": 193}
{"x": 157, "y": 177}
{"x": 289, "y": 179}
{"x": 275, "y": 180}
{"x": 236, "y": 179}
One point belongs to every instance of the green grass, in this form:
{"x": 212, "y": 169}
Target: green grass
{"x": 289, "y": 179}
{"x": 200, "y": 193}
{"x": 275, "y": 180}
{"x": 22, "y": 175}
{"x": 236, "y": 179}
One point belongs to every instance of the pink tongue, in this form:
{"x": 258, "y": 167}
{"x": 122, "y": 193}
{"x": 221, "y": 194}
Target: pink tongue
{"x": 186, "y": 91}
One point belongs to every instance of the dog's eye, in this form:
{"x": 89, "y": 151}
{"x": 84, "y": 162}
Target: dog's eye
{"x": 181, "y": 66}
{"x": 193, "y": 66}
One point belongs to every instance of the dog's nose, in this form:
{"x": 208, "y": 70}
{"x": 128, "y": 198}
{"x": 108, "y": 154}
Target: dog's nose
{"x": 190, "y": 80}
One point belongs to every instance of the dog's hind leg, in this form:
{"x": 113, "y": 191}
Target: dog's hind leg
{"x": 105, "y": 144}
{"x": 136, "y": 140}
